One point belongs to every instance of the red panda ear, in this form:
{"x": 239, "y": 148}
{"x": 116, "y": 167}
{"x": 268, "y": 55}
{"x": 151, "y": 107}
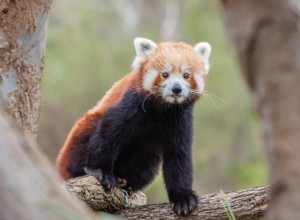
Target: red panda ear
{"x": 143, "y": 48}
{"x": 203, "y": 50}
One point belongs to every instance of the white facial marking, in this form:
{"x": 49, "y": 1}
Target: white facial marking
{"x": 149, "y": 78}
{"x": 168, "y": 68}
{"x": 166, "y": 88}
{"x": 185, "y": 68}
{"x": 203, "y": 50}
{"x": 169, "y": 99}
{"x": 136, "y": 63}
{"x": 200, "y": 82}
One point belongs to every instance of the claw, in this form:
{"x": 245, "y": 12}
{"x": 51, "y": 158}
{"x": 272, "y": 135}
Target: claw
{"x": 121, "y": 182}
{"x": 185, "y": 208}
{"x": 177, "y": 209}
{"x": 108, "y": 182}
{"x": 185, "y": 212}
{"x": 192, "y": 203}
{"x": 129, "y": 189}
{"x": 172, "y": 205}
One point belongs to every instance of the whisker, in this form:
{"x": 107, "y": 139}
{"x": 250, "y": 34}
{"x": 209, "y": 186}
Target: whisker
{"x": 215, "y": 96}
{"x": 207, "y": 98}
{"x": 143, "y": 107}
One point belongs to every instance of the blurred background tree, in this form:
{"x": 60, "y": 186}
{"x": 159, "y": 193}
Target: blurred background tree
{"x": 266, "y": 37}
{"x": 90, "y": 46}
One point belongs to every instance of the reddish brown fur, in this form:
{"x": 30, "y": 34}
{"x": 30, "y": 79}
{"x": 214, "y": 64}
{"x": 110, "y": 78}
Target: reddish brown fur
{"x": 82, "y": 126}
{"x": 192, "y": 82}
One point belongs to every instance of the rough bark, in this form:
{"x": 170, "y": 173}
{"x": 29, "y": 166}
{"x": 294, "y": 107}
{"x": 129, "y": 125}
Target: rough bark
{"x": 246, "y": 204}
{"x": 23, "y": 26}
{"x": 29, "y": 187}
{"x": 266, "y": 36}
{"x": 89, "y": 190}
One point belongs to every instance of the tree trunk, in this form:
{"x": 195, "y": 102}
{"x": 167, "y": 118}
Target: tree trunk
{"x": 266, "y": 36}
{"x": 23, "y": 27}
{"x": 29, "y": 187}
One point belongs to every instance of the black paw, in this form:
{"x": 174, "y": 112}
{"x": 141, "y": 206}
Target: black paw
{"x": 121, "y": 182}
{"x": 183, "y": 202}
{"x": 107, "y": 181}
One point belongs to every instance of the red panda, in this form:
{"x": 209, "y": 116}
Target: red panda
{"x": 144, "y": 120}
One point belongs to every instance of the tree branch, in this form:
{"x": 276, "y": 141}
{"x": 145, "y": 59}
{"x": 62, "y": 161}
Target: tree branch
{"x": 89, "y": 190}
{"x": 245, "y": 204}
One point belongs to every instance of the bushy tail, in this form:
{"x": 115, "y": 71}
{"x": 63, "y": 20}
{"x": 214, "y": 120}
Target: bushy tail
{"x": 71, "y": 158}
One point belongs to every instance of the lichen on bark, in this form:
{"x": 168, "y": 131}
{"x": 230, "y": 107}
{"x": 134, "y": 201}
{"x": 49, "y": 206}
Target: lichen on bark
{"x": 89, "y": 190}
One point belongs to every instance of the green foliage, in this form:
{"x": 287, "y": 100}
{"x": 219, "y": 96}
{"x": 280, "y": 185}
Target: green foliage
{"x": 227, "y": 206}
{"x": 90, "y": 47}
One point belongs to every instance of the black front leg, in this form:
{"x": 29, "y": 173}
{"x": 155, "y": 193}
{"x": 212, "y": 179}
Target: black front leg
{"x": 178, "y": 175}
{"x": 177, "y": 163}
{"x": 102, "y": 152}
{"x": 115, "y": 128}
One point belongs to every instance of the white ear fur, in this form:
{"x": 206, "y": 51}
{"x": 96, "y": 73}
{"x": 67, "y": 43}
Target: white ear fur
{"x": 203, "y": 50}
{"x": 143, "y": 48}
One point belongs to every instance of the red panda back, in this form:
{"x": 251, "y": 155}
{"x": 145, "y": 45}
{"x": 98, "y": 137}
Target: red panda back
{"x": 75, "y": 145}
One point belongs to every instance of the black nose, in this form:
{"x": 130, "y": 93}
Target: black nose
{"x": 176, "y": 89}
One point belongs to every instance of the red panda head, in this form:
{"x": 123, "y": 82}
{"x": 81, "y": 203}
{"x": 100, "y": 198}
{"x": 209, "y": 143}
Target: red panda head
{"x": 173, "y": 72}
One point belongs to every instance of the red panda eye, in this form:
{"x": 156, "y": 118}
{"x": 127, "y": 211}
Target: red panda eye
{"x": 186, "y": 75}
{"x": 165, "y": 74}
